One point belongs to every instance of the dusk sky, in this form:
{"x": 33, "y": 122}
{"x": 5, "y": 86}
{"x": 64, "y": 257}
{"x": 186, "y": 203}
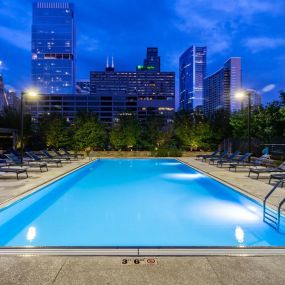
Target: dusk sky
{"x": 252, "y": 29}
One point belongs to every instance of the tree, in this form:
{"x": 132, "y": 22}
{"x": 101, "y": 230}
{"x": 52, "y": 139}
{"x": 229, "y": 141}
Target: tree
{"x": 154, "y": 132}
{"x": 56, "y": 131}
{"x": 125, "y": 133}
{"x": 89, "y": 133}
{"x": 194, "y": 133}
{"x": 10, "y": 118}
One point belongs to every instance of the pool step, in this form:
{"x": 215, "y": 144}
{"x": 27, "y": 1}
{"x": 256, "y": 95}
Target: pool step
{"x": 270, "y": 217}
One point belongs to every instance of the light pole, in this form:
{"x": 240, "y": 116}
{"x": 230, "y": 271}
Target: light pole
{"x": 241, "y": 95}
{"x": 30, "y": 93}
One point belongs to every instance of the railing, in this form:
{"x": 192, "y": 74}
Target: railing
{"x": 269, "y": 215}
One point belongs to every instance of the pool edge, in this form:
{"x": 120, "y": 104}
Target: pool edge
{"x": 145, "y": 251}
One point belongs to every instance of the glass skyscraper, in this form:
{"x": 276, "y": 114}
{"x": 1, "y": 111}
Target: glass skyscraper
{"x": 192, "y": 71}
{"x": 221, "y": 87}
{"x": 53, "y": 44}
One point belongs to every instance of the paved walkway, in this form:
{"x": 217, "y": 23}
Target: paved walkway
{"x": 169, "y": 270}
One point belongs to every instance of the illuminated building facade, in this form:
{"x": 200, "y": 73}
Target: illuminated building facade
{"x": 53, "y": 44}
{"x": 144, "y": 92}
{"x": 221, "y": 87}
{"x": 192, "y": 71}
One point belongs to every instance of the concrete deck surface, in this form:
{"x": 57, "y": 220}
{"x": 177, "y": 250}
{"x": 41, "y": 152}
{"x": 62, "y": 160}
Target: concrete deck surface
{"x": 169, "y": 270}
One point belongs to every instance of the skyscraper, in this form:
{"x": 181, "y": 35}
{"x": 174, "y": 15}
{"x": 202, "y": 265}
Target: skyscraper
{"x": 53, "y": 43}
{"x": 221, "y": 87}
{"x": 152, "y": 61}
{"x": 192, "y": 71}
{"x": 2, "y": 94}
{"x": 145, "y": 92}
{"x": 113, "y": 93}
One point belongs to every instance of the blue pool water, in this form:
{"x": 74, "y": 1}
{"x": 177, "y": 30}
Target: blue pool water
{"x": 136, "y": 202}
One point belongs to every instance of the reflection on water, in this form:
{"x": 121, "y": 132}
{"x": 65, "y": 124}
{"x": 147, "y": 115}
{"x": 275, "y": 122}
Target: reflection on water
{"x": 239, "y": 234}
{"x": 31, "y": 233}
{"x": 184, "y": 176}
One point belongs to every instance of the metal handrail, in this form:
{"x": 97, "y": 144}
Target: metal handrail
{"x": 281, "y": 182}
{"x": 279, "y": 213}
{"x": 265, "y": 213}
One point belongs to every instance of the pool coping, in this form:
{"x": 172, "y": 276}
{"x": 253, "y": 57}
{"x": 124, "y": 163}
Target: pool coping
{"x": 144, "y": 251}
{"x": 138, "y": 250}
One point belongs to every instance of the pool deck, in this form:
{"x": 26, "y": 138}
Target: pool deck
{"x": 168, "y": 270}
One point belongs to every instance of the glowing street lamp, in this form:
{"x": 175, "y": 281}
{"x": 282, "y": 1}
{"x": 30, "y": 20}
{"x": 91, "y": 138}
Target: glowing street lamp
{"x": 29, "y": 93}
{"x": 241, "y": 95}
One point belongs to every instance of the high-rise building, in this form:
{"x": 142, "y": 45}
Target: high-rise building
{"x": 221, "y": 87}
{"x": 83, "y": 86}
{"x": 8, "y": 98}
{"x": 2, "y": 94}
{"x": 113, "y": 93}
{"x": 144, "y": 92}
{"x": 192, "y": 71}
{"x": 152, "y": 61}
{"x": 53, "y": 44}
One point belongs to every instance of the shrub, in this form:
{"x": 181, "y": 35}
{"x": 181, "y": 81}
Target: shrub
{"x": 167, "y": 151}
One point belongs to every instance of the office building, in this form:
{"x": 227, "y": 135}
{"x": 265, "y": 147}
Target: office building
{"x": 151, "y": 62}
{"x": 114, "y": 93}
{"x": 2, "y": 95}
{"x": 144, "y": 92}
{"x": 8, "y": 98}
{"x": 221, "y": 87}
{"x": 53, "y": 44}
{"x": 192, "y": 71}
{"x": 83, "y": 86}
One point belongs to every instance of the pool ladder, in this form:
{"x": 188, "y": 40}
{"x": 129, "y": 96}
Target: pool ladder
{"x": 269, "y": 216}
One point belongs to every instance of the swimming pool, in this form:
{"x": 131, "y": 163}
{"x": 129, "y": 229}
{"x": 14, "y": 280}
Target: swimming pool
{"x": 136, "y": 203}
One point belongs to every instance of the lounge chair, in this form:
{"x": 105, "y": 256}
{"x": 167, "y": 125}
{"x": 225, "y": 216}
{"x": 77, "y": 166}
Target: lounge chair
{"x": 258, "y": 171}
{"x": 35, "y": 157}
{"x": 15, "y": 160}
{"x": 205, "y": 156}
{"x": 276, "y": 177}
{"x": 17, "y": 171}
{"x": 220, "y": 157}
{"x": 264, "y": 160}
{"x": 61, "y": 156}
{"x": 230, "y": 159}
{"x": 72, "y": 155}
{"x": 241, "y": 161}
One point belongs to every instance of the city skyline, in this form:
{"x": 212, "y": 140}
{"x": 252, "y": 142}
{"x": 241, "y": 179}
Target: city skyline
{"x": 240, "y": 32}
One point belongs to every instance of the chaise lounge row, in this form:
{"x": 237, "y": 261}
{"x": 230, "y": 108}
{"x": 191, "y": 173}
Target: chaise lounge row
{"x": 11, "y": 162}
{"x": 234, "y": 160}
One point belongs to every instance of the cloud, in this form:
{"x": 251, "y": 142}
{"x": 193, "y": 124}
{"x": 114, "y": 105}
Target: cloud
{"x": 258, "y": 44}
{"x": 217, "y": 22}
{"x": 18, "y": 38}
{"x": 268, "y": 88}
{"x": 88, "y": 43}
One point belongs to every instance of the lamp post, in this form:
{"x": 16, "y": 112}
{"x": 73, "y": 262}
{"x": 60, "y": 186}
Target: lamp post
{"x": 241, "y": 95}
{"x": 30, "y": 93}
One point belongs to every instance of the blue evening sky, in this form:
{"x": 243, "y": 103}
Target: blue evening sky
{"x": 252, "y": 29}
